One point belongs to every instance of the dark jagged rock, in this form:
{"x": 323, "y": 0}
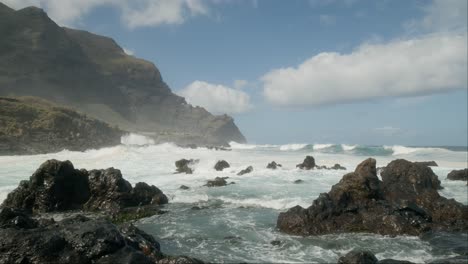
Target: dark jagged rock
{"x": 94, "y": 75}
{"x": 249, "y": 169}
{"x": 183, "y": 165}
{"x": 427, "y": 163}
{"x": 217, "y": 182}
{"x": 367, "y": 257}
{"x": 405, "y": 202}
{"x": 358, "y": 257}
{"x": 298, "y": 181}
{"x": 13, "y": 218}
{"x": 273, "y": 165}
{"x": 183, "y": 187}
{"x": 57, "y": 186}
{"x": 30, "y": 125}
{"x": 221, "y": 165}
{"x": 458, "y": 175}
{"x": 79, "y": 239}
{"x": 307, "y": 164}
{"x": 337, "y": 167}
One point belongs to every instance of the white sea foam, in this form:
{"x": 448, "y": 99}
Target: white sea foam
{"x": 136, "y": 139}
{"x": 322, "y": 146}
{"x": 292, "y": 147}
{"x": 348, "y": 147}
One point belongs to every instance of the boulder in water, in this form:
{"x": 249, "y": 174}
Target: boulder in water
{"x": 217, "y": 182}
{"x": 57, "y": 186}
{"x": 249, "y": 169}
{"x": 298, "y": 181}
{"x": 405, "y": 202}
{"x": 183, "y": 187}
{"x": 358, "y": 257}
{"x": 273, "y": 165}
{"x": 183, "y": 165}
{"x": 221, "y": 165}
{"x": 458, "y": 175}
{"x": 307, "y": 164}
{"x": 337, "y": 167}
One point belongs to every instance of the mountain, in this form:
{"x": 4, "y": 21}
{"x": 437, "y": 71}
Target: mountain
{"x": 31, "y": 125}
{"x": 93, "y": 75}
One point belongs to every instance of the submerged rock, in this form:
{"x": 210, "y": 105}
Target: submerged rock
{"x": 406, "y": 201}
{"x": 183, "y": 187}
{"x": 337, "y": 167}
{"x": 427, "y": 163}
{"x": 249, "y": 169}
{"x": 367, "y": 257}
{"x": 57, "y": 186}
{"x": 358, "y": 257}
{"x": 298, "y": 181}
{"x": 307, "y": 164}
{"x": 217, "y": 182}
{"x": 221, "y": 165}
{"x": 183, "y": 165}
{"x": 458, "y": 175}
{"x": 273, "y": 165}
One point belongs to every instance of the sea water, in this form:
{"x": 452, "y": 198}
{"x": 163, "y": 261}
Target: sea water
{"x": 237, "y": 223}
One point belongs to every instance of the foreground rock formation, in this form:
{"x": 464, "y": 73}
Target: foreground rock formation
{"x": 77, "y": 239}
{"x": 30, "y": 125}
{"x": 94, "y": 75}
{"x": 406, "y": 201}
{"x": 57, "y": 186}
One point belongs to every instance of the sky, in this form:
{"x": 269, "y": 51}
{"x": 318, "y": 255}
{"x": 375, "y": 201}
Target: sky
{"x": 376, "y": 72}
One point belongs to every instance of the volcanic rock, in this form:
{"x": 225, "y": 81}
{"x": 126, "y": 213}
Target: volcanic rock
{"x": 458, "y": 175}
{"x": 307, "y": 164}
{"x": 249, "y": 169}
{"x": 221, "y": 165}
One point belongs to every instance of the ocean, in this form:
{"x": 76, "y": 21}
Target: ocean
{"x": 236, "y": 223}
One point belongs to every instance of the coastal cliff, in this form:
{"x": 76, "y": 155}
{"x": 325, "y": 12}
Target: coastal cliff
{"x": 94, "y": 75}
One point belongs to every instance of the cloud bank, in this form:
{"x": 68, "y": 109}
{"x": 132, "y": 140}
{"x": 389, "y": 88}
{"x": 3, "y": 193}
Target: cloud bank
{"x": 399, "y": 68}
{"x": 218, "y": 99}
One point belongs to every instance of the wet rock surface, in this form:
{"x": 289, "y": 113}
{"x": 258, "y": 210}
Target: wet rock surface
{"x": 458, "y": 175}
{"x": 57, "y": 186}
{"x": 366, "y": 257}
{"x": 217, "y": 182}
{"x": 184, "y": 165}
{"x": 80, "y": 239}
{"x": 273, "y": 165}
{"x": 406, "y": 201}
{"x": 221, "y": 165}
{"x": 249, "y": 169}
{"x": 307, "y": 164}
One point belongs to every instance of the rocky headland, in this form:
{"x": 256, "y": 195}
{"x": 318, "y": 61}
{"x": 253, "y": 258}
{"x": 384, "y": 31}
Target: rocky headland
{"x": 30, "y": 125}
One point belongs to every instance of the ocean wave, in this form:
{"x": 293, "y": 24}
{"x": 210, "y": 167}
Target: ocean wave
{"x": 235, "y": 145}
{"x": 133, "y": 139}
{"x": 293, "y": 146}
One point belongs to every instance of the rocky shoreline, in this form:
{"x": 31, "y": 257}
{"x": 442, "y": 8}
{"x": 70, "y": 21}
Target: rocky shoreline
{"x": 97, "y": 207}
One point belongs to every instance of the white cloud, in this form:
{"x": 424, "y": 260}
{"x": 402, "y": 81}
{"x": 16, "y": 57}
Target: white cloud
{"x": 216, "y": 98}
{"x": 136, "y": 13}
{"x": 433, "y": 63}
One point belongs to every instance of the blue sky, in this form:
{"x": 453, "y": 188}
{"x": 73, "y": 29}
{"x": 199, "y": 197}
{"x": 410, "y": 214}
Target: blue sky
{"x": 341, "y": 71}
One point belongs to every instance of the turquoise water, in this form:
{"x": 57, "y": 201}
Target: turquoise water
{"x": 237, "y": 223}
